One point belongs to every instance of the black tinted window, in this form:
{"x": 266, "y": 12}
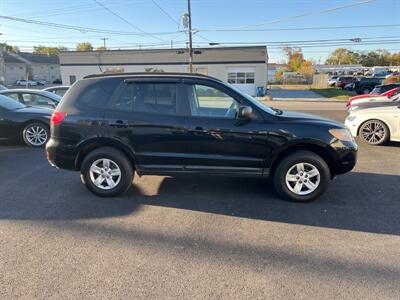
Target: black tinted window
{"x": 158, "y": 98}
{"x": 98, "y": 93}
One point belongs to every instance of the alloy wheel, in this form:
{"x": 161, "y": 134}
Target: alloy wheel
{"x": 373, "y": 132}
{"x": 105, "y": 174}
{"x": 302, "y": 178}
{"x": 36, "y": 135}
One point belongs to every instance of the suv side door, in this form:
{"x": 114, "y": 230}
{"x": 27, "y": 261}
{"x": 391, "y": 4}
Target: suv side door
{"x": 146, "y": 114}
{"x": 217, "y": 140}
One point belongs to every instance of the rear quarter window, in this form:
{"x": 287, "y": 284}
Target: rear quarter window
{"x": 97, "y": 93}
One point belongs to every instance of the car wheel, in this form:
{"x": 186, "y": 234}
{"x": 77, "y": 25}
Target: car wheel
{"x": 36, "y": 134}
{"x": 107, "y": 172}
{"x": 366, "y": 91}
{"x": 302, "y": 176}
{"x": 374, "y": 132}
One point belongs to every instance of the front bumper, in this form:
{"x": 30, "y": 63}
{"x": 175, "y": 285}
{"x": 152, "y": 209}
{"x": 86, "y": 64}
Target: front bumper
{"x": 352, "y": 126}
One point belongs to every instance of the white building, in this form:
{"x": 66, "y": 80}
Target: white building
{"x": 244, "y": 67}
{"x": 22, "y": 65}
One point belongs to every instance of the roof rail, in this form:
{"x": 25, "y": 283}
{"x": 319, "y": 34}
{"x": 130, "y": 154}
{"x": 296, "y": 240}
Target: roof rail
{"x": 166, "y": 74}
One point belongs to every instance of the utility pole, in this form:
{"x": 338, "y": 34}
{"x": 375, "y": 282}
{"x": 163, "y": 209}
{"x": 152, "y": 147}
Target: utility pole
{"x": 190, "y": 39}
{"x": 104, "y": 43}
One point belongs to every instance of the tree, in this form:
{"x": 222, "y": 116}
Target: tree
{"x": 342, "y": 56}
{"x": 41, "y": 49}
{"x": 10, "y": 48}
{"x": 85, "y": 46}
{"x": 279, "y": 74}
{"x": 307, "y": 69}
{"x": 295, "y": 58}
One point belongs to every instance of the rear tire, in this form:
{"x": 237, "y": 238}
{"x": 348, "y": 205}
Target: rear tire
{"x": 107, "y": 172}
{"x": 301, "y": 176}
{"x": 36, "y": 134}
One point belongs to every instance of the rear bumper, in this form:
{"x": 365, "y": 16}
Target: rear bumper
{"x": 60, "y": 155}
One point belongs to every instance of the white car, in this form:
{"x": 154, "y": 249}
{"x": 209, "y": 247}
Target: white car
{"x": 375, "y": 125}
{"x": 332, "y": 80}
{"x": 23, "y": 82}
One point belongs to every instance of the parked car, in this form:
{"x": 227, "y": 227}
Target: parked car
{"x": 18, "y": 121}
{"x": 380, "y": 89}
{"x": 375, "y": 125}
{"x": 332, "y": 80}
{"x": 366, "y": 84}
{"x": 392, "y": 101}
{"x": 58, "y": 90}
{"x": 30, "y": 97}
{"x": 57, "y": 81}
{"x": 41, "y": 81}
{"x": 108, "y": 126}
{"x": 26, "y": 83}
{"x": 373, "y": 94}
{"x": 342, "y": 81}
{"x": 379, "y": 98}
{"x": 2, "y": 87}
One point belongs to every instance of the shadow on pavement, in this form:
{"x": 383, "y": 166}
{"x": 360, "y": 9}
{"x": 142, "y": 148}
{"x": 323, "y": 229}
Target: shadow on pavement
{"x": 355, "y": 201}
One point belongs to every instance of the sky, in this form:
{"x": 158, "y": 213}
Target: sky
{"x": 154, "y": 23}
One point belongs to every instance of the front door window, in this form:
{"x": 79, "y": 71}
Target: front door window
{"x": 206, "y": 101}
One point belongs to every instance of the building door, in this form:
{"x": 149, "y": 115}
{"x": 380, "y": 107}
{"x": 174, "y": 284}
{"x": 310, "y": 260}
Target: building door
{"x": 243, "y": 78}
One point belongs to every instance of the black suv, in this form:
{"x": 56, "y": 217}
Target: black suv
{"x": 109, "y": 126}
{"x": 366, "y": 84}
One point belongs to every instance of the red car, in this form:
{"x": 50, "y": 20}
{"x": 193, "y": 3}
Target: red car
{"x": 387, "y": 94}
{"x": 344, "y": 80}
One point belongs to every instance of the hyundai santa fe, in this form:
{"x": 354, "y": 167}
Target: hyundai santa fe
{"x": 110, "y": 126}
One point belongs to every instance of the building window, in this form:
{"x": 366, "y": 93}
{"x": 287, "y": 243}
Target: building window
{"x": 241, "y": 77}
{"x": 20, "y": 68}
{"x": 11, "y": 68}
{"x": 72, "y": 79}
{"x": 52, "y": 67}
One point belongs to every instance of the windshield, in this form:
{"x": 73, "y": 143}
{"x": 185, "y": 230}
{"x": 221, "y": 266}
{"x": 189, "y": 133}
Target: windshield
{"x": 10, "y": 104}
{"x": 257, "y": 103}
{"x": 376, "y": 90}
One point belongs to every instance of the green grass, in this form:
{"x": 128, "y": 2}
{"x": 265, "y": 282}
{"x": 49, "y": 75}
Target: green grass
{"x": 333, "y": 93}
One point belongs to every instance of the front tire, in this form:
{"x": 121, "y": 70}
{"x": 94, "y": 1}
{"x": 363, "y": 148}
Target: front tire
{"x": 107, "y": 172}
{"x": 36, "y": 134}
{"x": 374, "y": 132}
{"x": 301, "y": 177}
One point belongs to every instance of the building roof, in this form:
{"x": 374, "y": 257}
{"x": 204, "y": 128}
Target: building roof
{"x": 11, "y": 59}
{"x": 21, "y": 57}
{"x": 39, "y": 58}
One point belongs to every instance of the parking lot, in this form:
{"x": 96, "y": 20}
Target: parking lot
{"x": 200, "y": 237}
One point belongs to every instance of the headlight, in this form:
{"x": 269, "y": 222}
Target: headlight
{"x": 351, "y": 118}
{"x": 342, "y": 134}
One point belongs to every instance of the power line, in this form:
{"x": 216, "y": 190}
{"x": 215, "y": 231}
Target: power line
{"x": 126, "y": 21}
{"x": 82, "y": 29}
{"x": 306, "y": 14}
{"x": 166, "y": 13}
{"x": 299, "y": 28}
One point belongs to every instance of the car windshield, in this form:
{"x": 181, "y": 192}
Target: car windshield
{"x": 257, "y": 103}
{"x": 10, "y": 104}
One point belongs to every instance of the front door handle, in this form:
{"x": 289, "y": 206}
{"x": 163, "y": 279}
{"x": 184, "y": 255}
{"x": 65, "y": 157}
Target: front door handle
{"x": 119, "y": 124}
{"x": 198, "y": 130}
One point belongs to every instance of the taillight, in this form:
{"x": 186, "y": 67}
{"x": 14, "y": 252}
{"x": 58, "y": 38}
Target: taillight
{"x": 57, "y": 118}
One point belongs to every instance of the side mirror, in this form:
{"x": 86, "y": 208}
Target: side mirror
{"x": 245, "y": 112}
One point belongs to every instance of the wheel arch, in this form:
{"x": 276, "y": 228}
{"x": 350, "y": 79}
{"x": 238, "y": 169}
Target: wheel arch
{"x": 320, "y": 150}
{"x": 95, "y": 143}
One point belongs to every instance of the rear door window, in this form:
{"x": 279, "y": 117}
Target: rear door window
{"x": 155, "y": 98}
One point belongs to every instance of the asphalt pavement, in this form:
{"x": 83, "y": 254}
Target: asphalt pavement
{"x": 196, "y": 237}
